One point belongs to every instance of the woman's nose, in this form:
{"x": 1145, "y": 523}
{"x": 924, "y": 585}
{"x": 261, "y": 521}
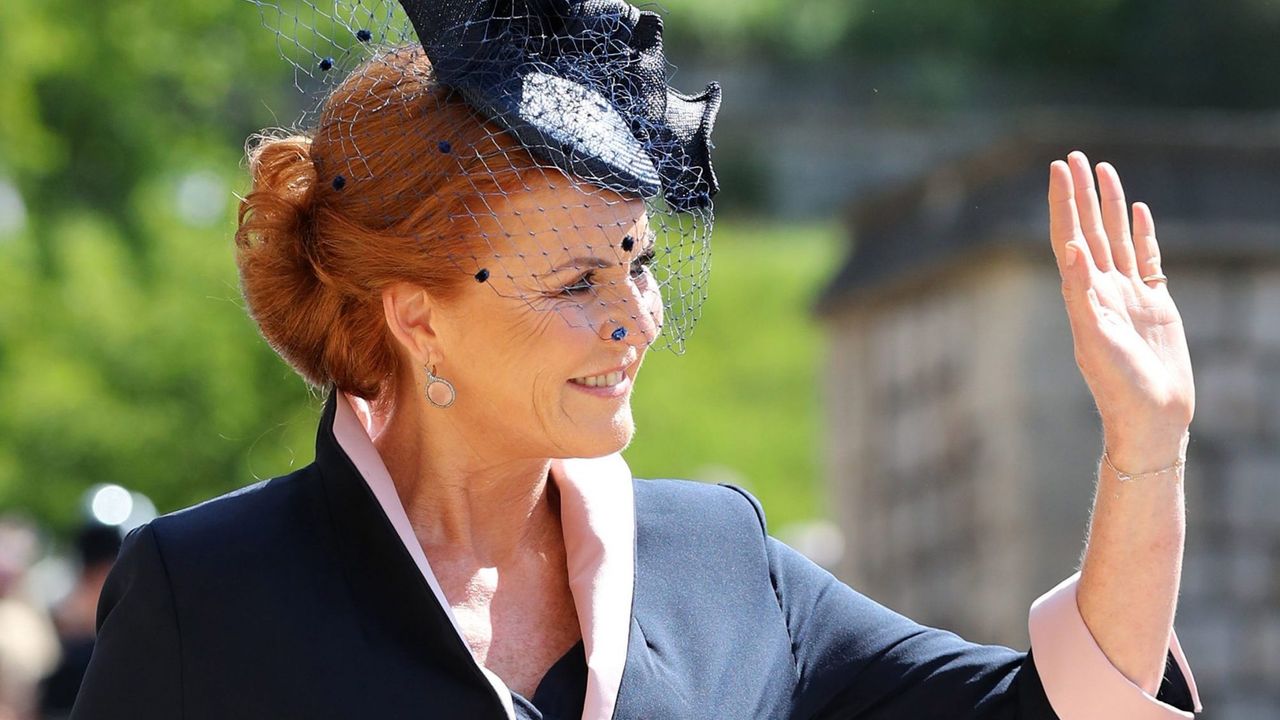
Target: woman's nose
{"x": 633, "y": 317}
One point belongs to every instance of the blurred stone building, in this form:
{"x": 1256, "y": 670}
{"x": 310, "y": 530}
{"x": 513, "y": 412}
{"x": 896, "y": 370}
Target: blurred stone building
{"x": 963, "y": 442}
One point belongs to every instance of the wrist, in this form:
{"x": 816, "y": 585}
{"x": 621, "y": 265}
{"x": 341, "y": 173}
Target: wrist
{"x": 1144, "y": 453}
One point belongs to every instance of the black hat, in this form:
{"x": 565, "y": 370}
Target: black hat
{"x": 582, "y": 83}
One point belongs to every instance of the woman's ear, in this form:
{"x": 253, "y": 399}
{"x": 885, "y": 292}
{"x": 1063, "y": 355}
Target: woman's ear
{"x": 411, "y": 315}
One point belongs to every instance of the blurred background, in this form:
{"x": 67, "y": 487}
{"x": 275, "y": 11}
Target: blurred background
{"x": 883, "y": 360}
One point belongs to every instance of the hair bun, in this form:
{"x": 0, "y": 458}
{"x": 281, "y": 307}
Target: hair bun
{"x": 278, "y": 205}
{"x": 283, "y": 280}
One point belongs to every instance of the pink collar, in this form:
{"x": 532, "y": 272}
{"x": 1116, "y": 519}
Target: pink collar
{"x": 597, "y": 512}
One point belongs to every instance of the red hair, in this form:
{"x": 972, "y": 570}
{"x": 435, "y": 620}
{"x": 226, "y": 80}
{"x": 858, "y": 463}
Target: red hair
{"x": 372, "y": 197}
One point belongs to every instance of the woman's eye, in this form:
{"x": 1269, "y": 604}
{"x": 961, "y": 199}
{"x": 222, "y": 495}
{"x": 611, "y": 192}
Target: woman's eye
{"x": 586, "y": 283}
{"x": 581, "y": 285}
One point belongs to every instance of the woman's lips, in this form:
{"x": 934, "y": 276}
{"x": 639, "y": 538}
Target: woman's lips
{"x": 621, "y": 384}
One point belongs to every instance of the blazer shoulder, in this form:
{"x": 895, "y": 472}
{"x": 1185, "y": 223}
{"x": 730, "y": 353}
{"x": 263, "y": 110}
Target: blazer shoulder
{"x": 687, "y": 503}
{"x": 258, "y": 515}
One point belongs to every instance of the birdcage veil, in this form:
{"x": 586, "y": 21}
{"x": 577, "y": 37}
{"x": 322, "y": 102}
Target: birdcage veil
{"x": 582, "y": 86}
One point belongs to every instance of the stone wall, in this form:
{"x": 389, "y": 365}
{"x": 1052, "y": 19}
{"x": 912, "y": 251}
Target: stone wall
{"x": 1229, "y": 613}
{"x": 923, "y": 424}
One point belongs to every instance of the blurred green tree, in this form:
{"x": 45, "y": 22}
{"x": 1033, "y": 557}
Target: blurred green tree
{"x": 123, "y": 349}
{"x": 1136, "y": 52}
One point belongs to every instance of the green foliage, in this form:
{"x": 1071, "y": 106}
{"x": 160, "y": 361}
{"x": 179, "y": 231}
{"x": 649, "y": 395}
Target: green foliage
{"x": 1166, "y": 52}
{"x": 106, "y": 95}
{"x": 158, "y": 384}
{"x": 124, "y": 353}
{"x": 1176, "y": 52}
{"x": 807, "y": 29}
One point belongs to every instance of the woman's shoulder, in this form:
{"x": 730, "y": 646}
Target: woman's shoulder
{"x": 679, "y": 505}
{"x": 254, "y": 518}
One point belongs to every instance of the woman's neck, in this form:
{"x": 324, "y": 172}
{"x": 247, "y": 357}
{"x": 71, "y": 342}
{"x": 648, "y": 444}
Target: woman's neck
{"x": 489, "y": 524}
{"x": 464, "y": 501}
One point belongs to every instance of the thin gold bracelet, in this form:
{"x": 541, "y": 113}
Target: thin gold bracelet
{"x": 1125, "y": 477}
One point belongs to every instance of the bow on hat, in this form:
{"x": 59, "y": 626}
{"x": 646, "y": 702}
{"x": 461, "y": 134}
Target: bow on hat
{"x": 582, "y": 85}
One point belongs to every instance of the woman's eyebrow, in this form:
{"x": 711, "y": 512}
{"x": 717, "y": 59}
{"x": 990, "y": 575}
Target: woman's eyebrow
{"x": 577, "y": 263}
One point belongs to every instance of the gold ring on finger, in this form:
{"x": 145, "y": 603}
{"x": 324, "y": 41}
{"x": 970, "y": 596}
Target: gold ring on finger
{"x": 1158, "y": 277}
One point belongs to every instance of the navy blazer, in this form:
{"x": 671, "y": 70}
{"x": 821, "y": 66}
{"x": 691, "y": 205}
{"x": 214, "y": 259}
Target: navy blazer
{"x": 294, "y": 598}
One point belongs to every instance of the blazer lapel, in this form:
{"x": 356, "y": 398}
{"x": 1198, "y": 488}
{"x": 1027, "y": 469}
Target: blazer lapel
{"x": 597, "y": 511}
{"x": 393, "y": 596}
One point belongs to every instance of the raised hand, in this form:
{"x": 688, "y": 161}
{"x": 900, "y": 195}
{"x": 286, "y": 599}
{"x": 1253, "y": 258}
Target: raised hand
{"x": 1131, "y": 348}
{"x": 1129, "y": 340}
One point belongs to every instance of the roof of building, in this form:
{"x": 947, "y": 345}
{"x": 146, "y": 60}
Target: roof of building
{"x": 1212, "y": 181}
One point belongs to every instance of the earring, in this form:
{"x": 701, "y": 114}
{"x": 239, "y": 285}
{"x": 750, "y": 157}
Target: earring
{"x": 439, "y": 391}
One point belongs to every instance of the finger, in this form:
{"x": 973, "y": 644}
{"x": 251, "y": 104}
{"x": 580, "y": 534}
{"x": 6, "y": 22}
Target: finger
{"x": 1115, "y": 218}
{"x": 1077, "y": 285}
{"x": 1064, "y": 221}
{"x": 1090, "y": 214}
{"x": 1144, "y": 243}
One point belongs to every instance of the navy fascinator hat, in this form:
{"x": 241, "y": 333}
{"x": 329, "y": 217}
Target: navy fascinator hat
{"x": 582, "y": 83}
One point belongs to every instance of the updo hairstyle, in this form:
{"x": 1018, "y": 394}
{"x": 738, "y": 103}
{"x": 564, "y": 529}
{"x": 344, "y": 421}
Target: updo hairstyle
{"x": 374, "y": 195}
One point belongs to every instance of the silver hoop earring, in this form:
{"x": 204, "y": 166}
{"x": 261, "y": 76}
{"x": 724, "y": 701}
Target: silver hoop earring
{"x": 439, "y": 391}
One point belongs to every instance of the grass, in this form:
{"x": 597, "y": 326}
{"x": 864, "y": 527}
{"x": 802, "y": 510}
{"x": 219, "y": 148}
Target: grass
{"x": 742, "y": 404}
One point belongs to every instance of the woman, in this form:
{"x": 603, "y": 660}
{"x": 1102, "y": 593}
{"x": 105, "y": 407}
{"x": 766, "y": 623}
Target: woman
{"x": 466, "y": 269}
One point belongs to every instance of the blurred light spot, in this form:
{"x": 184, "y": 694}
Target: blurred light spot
{"x": 822, "y": 541}
{"x": 144, "y": 511}
{"x": 13, "y": 212}
{"x": 111, "y": 504}
{"x": 719, "y": 474}
{"x": 201, "y": 198}
{"x": 51, "y": 580}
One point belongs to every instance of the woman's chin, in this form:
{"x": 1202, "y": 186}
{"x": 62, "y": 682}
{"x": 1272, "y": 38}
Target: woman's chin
{"x": 604, "y": 437}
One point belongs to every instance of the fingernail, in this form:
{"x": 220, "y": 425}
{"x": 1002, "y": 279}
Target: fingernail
{"x": 1071, "y": 256}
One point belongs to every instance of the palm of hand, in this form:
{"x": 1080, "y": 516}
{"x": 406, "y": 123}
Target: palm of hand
{"x": 1129, "y": 339}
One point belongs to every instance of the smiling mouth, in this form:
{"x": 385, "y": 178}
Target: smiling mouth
{"x": 606, "y": 380}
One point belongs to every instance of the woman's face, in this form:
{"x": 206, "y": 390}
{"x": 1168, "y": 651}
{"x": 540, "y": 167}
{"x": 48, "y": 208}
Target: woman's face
{"x": 531, "y": 351}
